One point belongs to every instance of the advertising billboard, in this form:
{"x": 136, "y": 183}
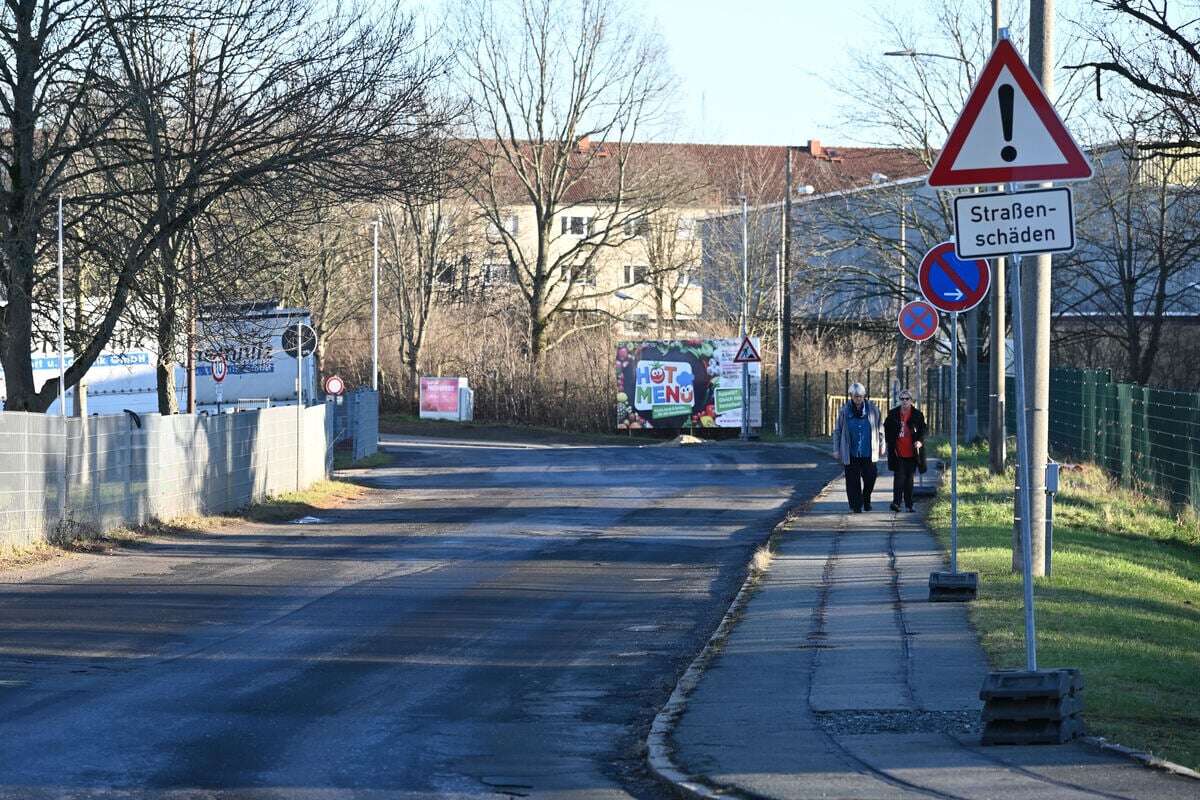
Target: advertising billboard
{"x": 440, "y": 398}
{"x": 684, "y": 383}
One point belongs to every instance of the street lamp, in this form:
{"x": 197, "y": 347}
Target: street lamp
{"x": 910, "y": 53}
{"x": 745, "y": 434}
{"x": 62, "y": 396}
{"x": 375, "y": 304}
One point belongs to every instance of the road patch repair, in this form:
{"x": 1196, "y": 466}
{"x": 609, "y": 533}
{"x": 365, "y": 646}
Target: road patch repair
{"x": 833, "y": 675}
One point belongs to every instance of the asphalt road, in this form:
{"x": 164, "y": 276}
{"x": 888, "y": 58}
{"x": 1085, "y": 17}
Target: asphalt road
{"x": 492, "y": 621}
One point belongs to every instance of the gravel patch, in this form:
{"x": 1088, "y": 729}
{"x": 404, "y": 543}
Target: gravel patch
{"x": 852, "y": 723}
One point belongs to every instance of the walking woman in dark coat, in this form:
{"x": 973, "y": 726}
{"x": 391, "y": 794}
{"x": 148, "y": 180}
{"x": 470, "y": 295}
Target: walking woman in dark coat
{"x": 904, "y": 432}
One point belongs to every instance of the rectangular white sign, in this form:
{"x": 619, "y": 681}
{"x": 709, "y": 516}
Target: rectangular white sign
{"x": 1037, "y": 221}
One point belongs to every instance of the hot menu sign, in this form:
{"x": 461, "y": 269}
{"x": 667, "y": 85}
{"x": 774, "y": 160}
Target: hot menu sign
{"x": 681, "y": 384}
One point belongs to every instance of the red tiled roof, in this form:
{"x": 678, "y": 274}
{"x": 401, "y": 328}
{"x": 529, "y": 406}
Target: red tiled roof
{"x": 725, "y": 172}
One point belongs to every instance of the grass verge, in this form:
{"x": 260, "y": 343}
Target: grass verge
{"x": 1122, "y": 603}
{"x": 341, "y": 460}
{"x": 321, "y": 496}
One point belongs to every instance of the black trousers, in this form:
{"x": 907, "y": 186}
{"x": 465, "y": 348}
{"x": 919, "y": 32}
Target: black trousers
{"x": 903, "y": 481}
{"x": 860, "y": 480}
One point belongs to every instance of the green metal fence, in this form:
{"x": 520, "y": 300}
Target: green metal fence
{"x": 1147, "y": 438}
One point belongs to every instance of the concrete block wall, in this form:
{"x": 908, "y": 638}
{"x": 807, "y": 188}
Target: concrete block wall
{"x": 363, "y": 422}
{"x": 104, "y": 472}
{"x": 356, "y": 418}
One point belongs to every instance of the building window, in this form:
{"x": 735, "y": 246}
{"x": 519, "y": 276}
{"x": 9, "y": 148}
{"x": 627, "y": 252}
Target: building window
{"x": 495, "y": 272}
{"x": 509, "y": 223}
{"x": 685, "y": 229}
{"x": 637, "y": 227}
{"x": 584, "y": 274}
{"x": 635, "y": 273}
{"x": 576, "y": 226}
{"x": 445, "y": 272}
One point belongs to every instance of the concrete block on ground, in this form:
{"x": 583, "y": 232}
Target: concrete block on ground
{"x": 1032, "y": 706}
{"x": 955, "y": 587}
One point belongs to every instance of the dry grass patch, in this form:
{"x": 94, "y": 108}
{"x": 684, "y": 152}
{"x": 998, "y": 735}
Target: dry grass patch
{"x": 76, "y": 538}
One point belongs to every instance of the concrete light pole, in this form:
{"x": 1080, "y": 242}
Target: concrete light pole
{"x": 745, "y": 434}
{"x": 62, "y": 336}
{"x": 375, "y": 305}
{"x": 783, "y": 376}
{"x": 1035, "y": 299}
{"x": 784, "y": 372}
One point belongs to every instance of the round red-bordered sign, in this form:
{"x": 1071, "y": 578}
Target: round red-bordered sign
{"x": 219, "y": 369}
{"x": 950, "y": 283}
{"x": 918, "y": 321}
{"x": 334, "y": 385}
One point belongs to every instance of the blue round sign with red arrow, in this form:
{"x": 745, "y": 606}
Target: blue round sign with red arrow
{"x": 951, "y": 283}
{"x": 918, "y": 321}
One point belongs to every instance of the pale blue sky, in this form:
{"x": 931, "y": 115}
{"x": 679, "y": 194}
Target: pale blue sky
{"x": 759, "y": 71}
{"x": 763, "y": 71}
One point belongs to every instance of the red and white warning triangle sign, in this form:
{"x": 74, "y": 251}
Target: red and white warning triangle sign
{"x": 746, "y": 352}
{"x": 1008, "y": 132}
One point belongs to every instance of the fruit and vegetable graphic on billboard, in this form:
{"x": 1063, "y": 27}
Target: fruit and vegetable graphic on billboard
{"x": 682, "y": 384}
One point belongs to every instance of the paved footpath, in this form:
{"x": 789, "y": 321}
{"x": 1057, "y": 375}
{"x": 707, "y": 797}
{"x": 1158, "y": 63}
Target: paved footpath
{"x": 839, "y": 679}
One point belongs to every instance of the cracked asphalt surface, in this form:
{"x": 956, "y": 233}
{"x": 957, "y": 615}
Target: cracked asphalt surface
{"x": 493, "y": 620}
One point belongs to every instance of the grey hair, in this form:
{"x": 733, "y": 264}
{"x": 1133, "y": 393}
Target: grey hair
{"x": 858, "y": 388}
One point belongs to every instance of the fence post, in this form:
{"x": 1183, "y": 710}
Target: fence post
{"x": 825, "y": 407}
{"x": 1145, "y": 462}
{"x": 1194, "y": 454}
{"x": 1125, "y": 416}
{"x": 807, "y": 409}
{"x": 1103, "y": 424}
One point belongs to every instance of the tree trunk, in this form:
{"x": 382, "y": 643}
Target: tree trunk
{"x": 414, "y": 385}
{"x": 168, "y": 399}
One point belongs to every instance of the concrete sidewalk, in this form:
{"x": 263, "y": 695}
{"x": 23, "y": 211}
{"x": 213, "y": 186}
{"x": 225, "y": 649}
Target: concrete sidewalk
{"x": 835, "y": 677}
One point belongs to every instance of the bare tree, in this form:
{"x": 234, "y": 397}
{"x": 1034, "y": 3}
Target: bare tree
{"x": 561, "y": 94}
{"x": 282, "y": 95}
{"x": 1153, "y": 49}
{"x": 423, "y": 243}
{"x": 673, "y": 260}
{"x": 328, "y": 250}
{"x": 1137, "y": 263}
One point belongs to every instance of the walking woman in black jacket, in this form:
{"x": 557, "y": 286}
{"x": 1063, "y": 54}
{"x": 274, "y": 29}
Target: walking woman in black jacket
{"x": 904, "y": 432}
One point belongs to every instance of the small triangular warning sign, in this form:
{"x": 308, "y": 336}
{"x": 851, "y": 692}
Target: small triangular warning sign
{"x": 1008, "y": 132}
{"x": 746, "y": 352}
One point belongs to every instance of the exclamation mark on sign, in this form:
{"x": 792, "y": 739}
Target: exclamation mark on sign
{"x": 1009, "y": 153}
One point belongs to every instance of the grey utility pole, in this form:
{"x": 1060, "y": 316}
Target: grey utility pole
{"x": 745, "y": 434}
{"x": 375, "y": 304}
{"x": 1035, "y": 301}
{"x": 784, "y": 378}
{"x": 998, "y": 435}
{"x": 901, "y": 342}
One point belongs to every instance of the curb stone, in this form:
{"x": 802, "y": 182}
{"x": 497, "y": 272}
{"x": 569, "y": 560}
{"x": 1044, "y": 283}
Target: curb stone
{"x": 1146, "y": 759}
{"x": 658, "y": 746}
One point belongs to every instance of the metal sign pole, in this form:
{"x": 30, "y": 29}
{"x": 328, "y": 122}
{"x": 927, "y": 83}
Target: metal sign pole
{"x": 918, "y": 397}
{"x": 954, "y": 443}
{"x": 745, "y": 432}
{"x": 62, "y": 338}
{"x": 1024, "y": 468}
{"x": 299, "y": 394}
